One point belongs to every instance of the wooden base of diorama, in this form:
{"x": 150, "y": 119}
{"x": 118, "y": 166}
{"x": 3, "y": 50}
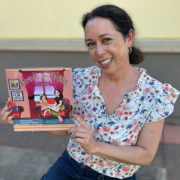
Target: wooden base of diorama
{"x": 43, "y": 127}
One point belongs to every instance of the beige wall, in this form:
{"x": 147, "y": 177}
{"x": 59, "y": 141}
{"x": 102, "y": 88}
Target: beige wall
{"x": 59, "y": 19}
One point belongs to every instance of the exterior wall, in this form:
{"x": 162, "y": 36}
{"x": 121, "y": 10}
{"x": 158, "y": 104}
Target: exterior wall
{"x": 46, "y": 33}
{"x": 163, "y": 67}
{"x": 58, "y": 19}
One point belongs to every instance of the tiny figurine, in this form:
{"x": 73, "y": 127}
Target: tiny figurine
{"x": 44, "y": 102}
{"x": 58, "y": 103}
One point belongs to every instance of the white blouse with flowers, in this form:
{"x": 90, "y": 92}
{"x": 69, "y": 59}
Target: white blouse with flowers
{"x": 151, "y": 101}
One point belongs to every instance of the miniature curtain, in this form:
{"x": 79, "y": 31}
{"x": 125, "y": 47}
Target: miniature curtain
{"x": 30, "y": 90}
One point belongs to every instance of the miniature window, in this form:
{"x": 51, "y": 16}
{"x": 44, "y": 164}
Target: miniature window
{"x": 43, "y": 86}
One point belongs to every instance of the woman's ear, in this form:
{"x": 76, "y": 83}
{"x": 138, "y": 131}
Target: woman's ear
{"x": 130, "y": 37}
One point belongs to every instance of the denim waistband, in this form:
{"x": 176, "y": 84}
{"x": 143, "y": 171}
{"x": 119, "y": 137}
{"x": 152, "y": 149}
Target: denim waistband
{"x": 85, "y": 168}
{"x": 81, "y": 165}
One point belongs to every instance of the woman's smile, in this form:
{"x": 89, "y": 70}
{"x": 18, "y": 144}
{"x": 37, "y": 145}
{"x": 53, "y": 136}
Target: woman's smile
{"x": 106, "y": 63}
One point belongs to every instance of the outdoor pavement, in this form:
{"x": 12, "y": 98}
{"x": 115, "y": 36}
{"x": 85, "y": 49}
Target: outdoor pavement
{"x": 167, "y": 156}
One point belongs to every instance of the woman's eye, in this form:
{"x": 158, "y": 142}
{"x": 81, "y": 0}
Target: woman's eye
{"x": 106, "y": 39}
{"x": 89, "y": 44}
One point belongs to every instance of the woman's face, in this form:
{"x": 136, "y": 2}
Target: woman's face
{"x": 57, "y": 93}
{"x": 43, "y": 98}
{"x": 106, "y": 45}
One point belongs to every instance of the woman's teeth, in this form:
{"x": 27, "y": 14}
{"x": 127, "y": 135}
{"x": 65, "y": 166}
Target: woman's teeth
{"x": 107, "y": 61}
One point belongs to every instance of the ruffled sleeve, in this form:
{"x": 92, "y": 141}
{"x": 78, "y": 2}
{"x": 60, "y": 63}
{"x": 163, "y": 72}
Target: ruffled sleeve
{"x": 163, "y": 104}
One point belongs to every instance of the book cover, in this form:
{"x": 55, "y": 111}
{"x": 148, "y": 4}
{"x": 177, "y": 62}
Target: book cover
{"x": 41, "y": 98}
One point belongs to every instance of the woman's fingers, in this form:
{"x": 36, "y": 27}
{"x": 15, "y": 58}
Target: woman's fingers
{"x": 76, "y": 129}
{"x": 7, "y": 102}
{"x": 5, "y": 109}
{"x": 6, "y": 113}
{"x": 9, "y": 119}
{"x": 80, "y": 140}
{"x": 81, "y": 121}
{"x": 78, "y": 135}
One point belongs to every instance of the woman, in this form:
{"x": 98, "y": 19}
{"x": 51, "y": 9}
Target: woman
{"x": 114, "y": 104}
{"x": 43, "y": 102}
{"x": 58, "y": 103}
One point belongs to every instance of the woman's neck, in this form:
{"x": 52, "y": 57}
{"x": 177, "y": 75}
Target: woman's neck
{"x": 122, "y": 75}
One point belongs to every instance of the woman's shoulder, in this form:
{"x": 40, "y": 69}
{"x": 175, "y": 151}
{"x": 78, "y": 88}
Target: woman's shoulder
{"x": 83, "y": 78}
{"x": 156, "y": 88}
{"x": 151, "y": 82}
{"x": 92, "y": 70}
{"x": 158, "y": 99}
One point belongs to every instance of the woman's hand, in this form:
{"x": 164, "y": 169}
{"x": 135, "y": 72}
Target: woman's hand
{"x": 6, "y": 113}
{"x": 83, "y": 135}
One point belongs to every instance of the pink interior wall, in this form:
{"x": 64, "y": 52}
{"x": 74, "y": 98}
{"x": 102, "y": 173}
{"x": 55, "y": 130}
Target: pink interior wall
{"x": 15, "y": 74}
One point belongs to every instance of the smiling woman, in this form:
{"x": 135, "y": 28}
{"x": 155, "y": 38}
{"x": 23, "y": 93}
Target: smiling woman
{"x": 117, "y": 107}
{"x": 117, "y": 102}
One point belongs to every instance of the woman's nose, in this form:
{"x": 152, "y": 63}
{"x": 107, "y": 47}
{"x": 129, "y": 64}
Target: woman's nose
{"x": 100, "y": 50}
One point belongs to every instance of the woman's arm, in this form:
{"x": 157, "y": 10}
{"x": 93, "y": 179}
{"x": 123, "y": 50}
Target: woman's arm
{"x": 60, "y": 103}
{"x": 58, "y": 133}
{"x": 141, "y": 154}
{"x": 54, "y": 104}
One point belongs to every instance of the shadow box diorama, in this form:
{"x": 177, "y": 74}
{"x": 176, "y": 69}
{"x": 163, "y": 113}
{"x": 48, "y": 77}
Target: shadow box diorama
{"x": 41, "y": 99}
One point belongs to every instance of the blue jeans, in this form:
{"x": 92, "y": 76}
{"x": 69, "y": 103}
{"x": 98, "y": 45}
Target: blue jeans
{"x": 66, "y": 168}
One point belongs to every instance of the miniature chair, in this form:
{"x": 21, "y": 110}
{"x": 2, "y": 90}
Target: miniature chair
{"x": 16, "y": 110}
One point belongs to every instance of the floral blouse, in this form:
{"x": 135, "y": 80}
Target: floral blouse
{"x": 151, "y": 101}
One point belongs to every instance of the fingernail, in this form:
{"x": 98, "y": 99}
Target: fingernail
{"x": 74, "y": 112}
{"x": 12, "y": 114}
{"x": 9, "y": 110}
{"x": 66, "y": 132}
{"x": 8, "y": 105}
